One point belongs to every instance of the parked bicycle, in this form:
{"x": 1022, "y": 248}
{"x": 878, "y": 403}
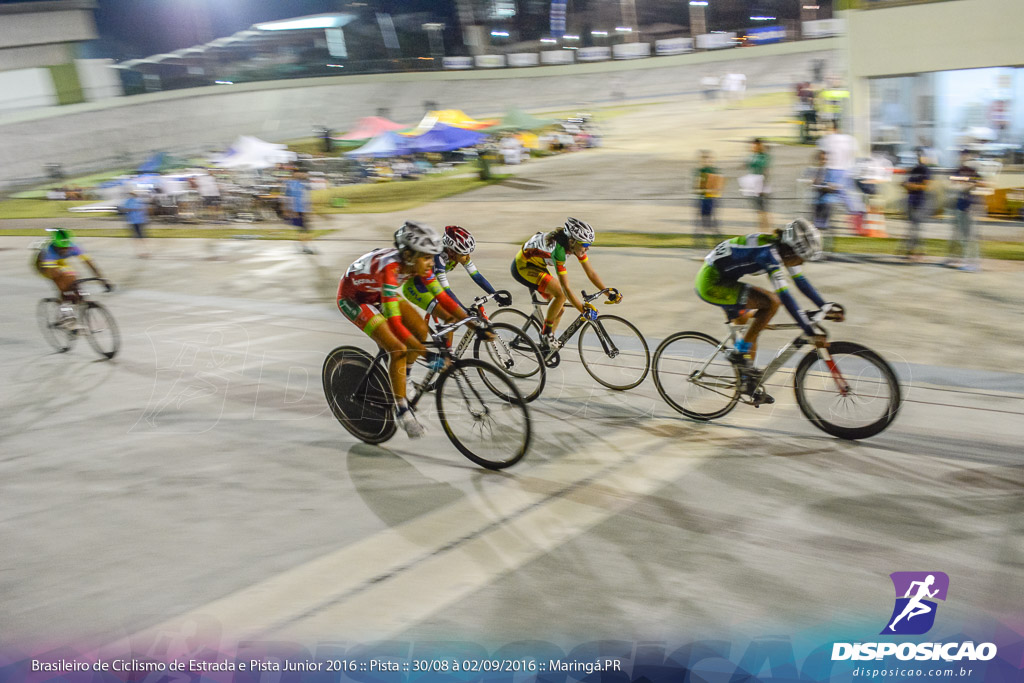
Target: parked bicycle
{"x": 612, "y": 350}
{"x": 489, "y": 426}
{"x": 511, "y": 351}
{"x": 846, "y": 390}
{"x": 63, "y": 322}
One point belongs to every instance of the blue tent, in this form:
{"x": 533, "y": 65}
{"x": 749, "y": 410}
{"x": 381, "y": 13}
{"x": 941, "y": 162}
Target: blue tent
{"x": 387, "y": 144}
{"x": 444, "y": 138}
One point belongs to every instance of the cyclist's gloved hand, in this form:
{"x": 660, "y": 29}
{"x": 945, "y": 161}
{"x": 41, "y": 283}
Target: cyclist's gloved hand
{"x": 614, "y": 296}
{"x": 589, "y": 312}
{"x": 503, "y": 298}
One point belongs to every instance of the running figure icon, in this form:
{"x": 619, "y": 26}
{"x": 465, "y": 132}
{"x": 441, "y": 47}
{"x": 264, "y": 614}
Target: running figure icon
{"x": 919, "y": 591}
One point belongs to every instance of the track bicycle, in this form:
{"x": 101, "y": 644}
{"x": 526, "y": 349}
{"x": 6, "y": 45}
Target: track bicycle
{"x": 846, "y": 390}
{"x": 511, "y": 351}
{"x": 62, "y": 322}
{"x": 490, "y": 426}
{"x": 612, "y": 350}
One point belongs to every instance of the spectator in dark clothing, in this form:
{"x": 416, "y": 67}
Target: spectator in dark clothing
{"x": 916, "y": 185}
{"x": 966, "y": 181}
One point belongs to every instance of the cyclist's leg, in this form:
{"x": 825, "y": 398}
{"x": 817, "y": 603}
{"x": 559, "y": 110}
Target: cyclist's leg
{"x": 552, "y": 291}
{"x": 765, "y": 305}
{"x": 370, "y": 320}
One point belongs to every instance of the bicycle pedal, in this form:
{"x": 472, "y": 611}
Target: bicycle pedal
{"x": 553, "y": 360}
{"x": 760, "y": 398}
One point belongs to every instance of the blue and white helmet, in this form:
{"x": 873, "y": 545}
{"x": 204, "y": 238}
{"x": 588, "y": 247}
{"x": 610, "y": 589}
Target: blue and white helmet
{"x": 804, "y": 239}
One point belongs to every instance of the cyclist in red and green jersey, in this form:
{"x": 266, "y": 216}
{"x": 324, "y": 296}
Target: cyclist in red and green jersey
{"x": 369, "y": 295}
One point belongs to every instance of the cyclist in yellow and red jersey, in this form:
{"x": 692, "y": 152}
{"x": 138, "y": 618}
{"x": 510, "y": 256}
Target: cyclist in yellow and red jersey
{"x": 530, "y": 268}
{"x": 369, "y": 295}
{"x": 52, "y": 263}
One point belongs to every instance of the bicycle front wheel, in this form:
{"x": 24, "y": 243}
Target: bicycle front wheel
{"x": 694, "y": 378}
{"x": 852, "y": 394}
{"x": 492, "y": 431}
{"x": 614, "y": 352}
{"x": 361, "y": 402}
{"x": 515, "y": 354}
{"x": 59, "y": 333}
{"x": 101, "y": 328}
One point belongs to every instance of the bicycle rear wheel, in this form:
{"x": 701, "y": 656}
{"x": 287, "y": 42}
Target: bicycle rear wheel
{"x": 694, "y": 378}
{"x": 855, "y": 396}
{"x": 492, "y": 431}
{"x": 101, "y": 329}
{"x": 614, "y": 352}
{"x": 515, "y": 354}
{"x": 59, "y": 333}
{"x": 366, "y": 412}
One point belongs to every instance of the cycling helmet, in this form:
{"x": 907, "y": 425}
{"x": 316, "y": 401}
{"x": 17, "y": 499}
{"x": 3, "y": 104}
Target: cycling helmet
{"x": 458, "y": 240}
{"x": 418, "y": 237}
{"x": 579, "y": 231}
{"x": 62, "y": 238}
{"x": 803, "y": 238}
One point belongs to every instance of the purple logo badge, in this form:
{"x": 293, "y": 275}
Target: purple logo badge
{"x": 916, "y": 592}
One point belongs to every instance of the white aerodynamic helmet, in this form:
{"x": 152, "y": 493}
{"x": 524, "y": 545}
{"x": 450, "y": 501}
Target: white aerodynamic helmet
{"x": 579, "y": 231}
{"x": 419, "y": 237}
{"x": 803, "y": 238}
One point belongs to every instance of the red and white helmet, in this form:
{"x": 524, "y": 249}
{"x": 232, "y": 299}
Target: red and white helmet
{"x": 458, "y": 239}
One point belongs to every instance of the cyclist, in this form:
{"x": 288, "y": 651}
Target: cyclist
{"x": 718, "y": 282}
{"x": 458, "y": 244}
{"x": 51, "y": 263}
{"x": 368, "y": 295}
{"x": 530, "y": 269}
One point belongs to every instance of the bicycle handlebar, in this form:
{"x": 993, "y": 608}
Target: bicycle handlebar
{"x": 587, "y": 298}
{"x": 481, "y": 300}
{"x": 105, "y": 281}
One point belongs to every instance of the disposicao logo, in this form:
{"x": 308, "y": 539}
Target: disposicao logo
{"x": 914, "y": 612}
{"x": 912, "y": 615}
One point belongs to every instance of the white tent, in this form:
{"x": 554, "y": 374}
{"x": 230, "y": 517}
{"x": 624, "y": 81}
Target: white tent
{"x": 252, "y": 153}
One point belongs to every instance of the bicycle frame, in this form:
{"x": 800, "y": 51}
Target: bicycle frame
{"x": 538, "y": 314}
{"x": 437, "y": 341}
{"x": 784, "y": 354}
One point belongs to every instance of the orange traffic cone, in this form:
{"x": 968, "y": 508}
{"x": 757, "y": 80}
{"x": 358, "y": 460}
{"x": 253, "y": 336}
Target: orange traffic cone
{"x": 874, "y": 225}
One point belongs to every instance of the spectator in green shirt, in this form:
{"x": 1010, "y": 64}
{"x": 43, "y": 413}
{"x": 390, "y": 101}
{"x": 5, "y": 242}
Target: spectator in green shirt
{"x": 758, "y": 165}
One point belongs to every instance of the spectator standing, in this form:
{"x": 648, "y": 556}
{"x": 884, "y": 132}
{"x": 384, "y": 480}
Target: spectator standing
{"x": 210, "y": 193}
{"x": 916, "y": 185}
{"x": 136, "y": 212}
{"x": 708, "y": 186}
{"x": 822, "y": 190}
{"x": 758, "y": 182}
{"x": 841, "y": 156}
{"x": 966, "y": 181}
{"x": 297, "y": 198}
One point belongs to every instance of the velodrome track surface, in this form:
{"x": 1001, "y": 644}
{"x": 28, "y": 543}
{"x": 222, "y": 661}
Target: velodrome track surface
{"x": 198, "y": 484}
{"x": 201, "y": 473}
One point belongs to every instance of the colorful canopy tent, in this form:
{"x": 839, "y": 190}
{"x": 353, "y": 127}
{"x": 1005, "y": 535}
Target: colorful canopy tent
{"x": 451, "y": 117}
{"x": 368, "y": 127}
{"x": 386, "y": 144}
{"x": 443, "y": 138}
{"x": 517, "y": 119}
{"x": 252, "y": 153}
{"x": 161, "y": 162}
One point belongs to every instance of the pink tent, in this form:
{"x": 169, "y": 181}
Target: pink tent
{"x": 369, "y": 127}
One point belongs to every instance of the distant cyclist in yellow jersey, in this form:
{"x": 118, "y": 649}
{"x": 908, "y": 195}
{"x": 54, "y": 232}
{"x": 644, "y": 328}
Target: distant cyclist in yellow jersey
{"x": 530, "y": 269}
{"x": 52, "y": 263}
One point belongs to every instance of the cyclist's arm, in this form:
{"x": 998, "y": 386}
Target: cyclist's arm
{"x": 442, "y": 278}
{"x": 781, "y": 286}
{"x": 478, "y": 277}
{"x": 444, "y": 297}
{"x": 805, "y": 286}
{"x": 390, "y": 295}
{"x": 591, "y": 273}
{"x": 563, "y": 279}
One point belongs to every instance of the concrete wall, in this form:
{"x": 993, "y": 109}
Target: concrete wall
{"x": 961, "y": 34}
{"x": 125, "y": 130}
{"x": 26, "y": 89}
